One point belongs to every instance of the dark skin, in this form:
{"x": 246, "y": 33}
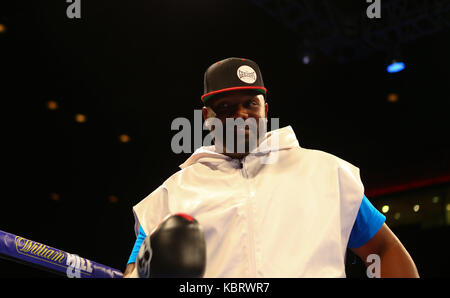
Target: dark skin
{"x": 395, "y": 260}
{"x": 237, "y": 104}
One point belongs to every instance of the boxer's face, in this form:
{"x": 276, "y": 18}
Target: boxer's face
{"x": 238, "y": 104}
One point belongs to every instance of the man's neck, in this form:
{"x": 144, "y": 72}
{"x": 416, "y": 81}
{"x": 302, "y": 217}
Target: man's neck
{"x": 239, "y": 156}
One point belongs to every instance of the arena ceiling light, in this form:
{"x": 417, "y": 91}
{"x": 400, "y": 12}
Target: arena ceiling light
{"x": 395, "y": 61}
{"x": 395, "y": 66}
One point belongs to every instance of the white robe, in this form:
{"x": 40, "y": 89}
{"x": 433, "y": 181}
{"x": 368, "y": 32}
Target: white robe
{"x": 287, "y": 218}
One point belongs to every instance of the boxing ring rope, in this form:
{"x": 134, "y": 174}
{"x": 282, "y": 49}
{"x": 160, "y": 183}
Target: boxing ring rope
{"x": 32, "y": 253}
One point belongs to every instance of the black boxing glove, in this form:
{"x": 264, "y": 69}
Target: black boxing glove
{"x": 177, "y": 248}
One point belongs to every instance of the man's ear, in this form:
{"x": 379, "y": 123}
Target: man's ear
{"x": 205, "y": 113}
{"x": 208, "y": 113}
{"x": 266, "y": 106}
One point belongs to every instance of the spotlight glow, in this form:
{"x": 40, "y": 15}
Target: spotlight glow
{"x": 124, "y": 138}
{"x": 80, "y": 118}
{"x": 112, "y": 199}
{"x": 395, "y": 66}
{"x": 52, "y": 105}
{"x": 54, "y": 196}
{"x": 306, "y": 59}
{"x": 392, "y": 97}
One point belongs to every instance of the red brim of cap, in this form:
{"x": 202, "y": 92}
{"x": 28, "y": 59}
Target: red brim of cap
{"x": 207, "y": 96}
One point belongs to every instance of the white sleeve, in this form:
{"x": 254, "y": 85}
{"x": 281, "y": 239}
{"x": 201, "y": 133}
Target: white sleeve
{"x": 351, "y": 192}
{"x": 149, "y": 212}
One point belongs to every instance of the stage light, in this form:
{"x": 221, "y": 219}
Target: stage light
{"x": 124, "y": 138}
{"x": 392, "y": 97}
{"x": 305, "y": 52}
{"x": 54, "y": 196}
{"x": 447, "y": 207}
{"x": 113, "y": 199}
{"x": 52, "y": 105}
{"x": 416, "y": 208}
{"x": 306, "y": 59}
{"x": 2, "y": 28}
{"x": 80, "y": 118}
{"x": 395, "y": 66}
{"x": 397, "y": 215}
{"x": 385, "y": 209}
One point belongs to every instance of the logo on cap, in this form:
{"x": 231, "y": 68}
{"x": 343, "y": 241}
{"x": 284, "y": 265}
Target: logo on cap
{"x": 246, "y": 74}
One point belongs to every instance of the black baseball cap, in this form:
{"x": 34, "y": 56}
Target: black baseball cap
{"x": 232, "y": 74}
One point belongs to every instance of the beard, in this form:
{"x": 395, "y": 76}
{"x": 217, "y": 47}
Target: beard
{"x": 238, "y": 136}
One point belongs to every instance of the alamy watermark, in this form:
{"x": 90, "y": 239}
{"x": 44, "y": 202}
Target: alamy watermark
{"x": 374, "y": 9}
{"x": 236, "y": 135}
{"x": 73, "y": 11}
{"x": 374, "y": 269}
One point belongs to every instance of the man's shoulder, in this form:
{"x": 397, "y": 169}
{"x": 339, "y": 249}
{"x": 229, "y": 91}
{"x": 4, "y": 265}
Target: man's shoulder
{"x": 316, "y": 156}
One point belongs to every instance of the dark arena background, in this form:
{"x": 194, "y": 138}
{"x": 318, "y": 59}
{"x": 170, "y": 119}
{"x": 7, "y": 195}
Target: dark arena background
{"x": 88, "y": 104}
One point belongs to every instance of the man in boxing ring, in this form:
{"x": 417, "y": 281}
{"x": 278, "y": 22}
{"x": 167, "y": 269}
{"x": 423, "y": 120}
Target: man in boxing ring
{"x": 267, "y": 207}
{"x": 253, "y": 204}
